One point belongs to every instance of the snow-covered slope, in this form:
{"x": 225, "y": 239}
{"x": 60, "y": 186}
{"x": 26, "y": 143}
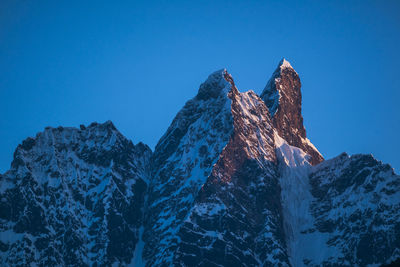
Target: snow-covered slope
{"x": 73, "y": 197}
{"x": 342, "y": 212}
{"x": 183, "y": 159}
{"x": 356, "y": 209}
{"x": 234, "y": 181}
{"x": 296, "y": 197}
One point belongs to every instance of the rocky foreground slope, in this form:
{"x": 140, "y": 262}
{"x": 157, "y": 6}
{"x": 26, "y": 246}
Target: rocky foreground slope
{"x": 233, "y": 182}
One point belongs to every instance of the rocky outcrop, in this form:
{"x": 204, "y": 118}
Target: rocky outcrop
{"x": 282, "y": 96}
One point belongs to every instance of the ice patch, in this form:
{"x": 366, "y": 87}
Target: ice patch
{"x": 296, "y": 200}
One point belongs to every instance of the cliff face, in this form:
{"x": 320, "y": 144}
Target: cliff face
{"x": 234, "y": 181}
{"x": 282, "y": 96}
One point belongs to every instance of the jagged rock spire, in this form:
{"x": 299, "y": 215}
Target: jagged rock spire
{"x": 282, "y": 96}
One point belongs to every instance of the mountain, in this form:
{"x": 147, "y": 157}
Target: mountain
{"x": 217, "y": 192}
{"x": 234, "y": 181}
{"x": 73, "y": 197}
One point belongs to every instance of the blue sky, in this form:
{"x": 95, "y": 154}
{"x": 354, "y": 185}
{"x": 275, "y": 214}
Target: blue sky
{"x": 137, "y": 63}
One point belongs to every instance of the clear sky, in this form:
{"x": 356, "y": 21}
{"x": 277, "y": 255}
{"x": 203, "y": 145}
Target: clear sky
{"x": 137, "y": 63}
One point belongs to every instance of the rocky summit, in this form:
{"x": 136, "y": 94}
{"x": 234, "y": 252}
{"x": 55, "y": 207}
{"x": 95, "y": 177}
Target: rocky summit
{"x": 234, "y": 181}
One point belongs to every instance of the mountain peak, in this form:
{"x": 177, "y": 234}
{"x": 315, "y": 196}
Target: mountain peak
{"x": 217, "y": 82}
{"x": 105, "y": 125}
{"x": 284, "y": 64}
{"x": 272, "y": 94}
{"x": 282, "y": 95}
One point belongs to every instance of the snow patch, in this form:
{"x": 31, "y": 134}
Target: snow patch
{"x": 296, "y": 200}
{"x": 285, "y": 64}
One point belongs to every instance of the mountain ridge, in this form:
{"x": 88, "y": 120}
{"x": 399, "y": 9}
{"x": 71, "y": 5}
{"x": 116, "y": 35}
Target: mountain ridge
{"x": 233, "y": 181}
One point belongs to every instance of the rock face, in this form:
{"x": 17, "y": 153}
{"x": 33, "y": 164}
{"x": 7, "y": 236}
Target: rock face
{"x": 233, "y": 182}
{"x": 282, "y": 96}
{"x": 73, "y": 197}
{"x": 235, "y": 218}
{"x": 356, "y": 210}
